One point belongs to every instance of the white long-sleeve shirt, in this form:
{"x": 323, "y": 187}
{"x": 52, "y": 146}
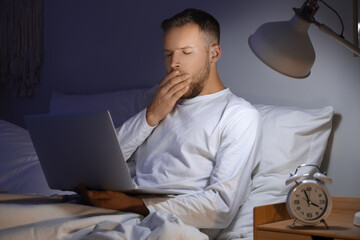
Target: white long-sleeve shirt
{"x": 207, "y": 146}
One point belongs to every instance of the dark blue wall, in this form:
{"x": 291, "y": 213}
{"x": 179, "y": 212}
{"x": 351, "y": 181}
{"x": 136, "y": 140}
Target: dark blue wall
{"x": 92, "y": 46}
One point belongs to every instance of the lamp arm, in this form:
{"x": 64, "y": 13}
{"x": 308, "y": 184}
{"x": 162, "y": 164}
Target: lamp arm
{"x": 343, "y": 41}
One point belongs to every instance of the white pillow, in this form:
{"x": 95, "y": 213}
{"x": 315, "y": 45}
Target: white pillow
{"x": 121, "y": 104}
{"x": 20, "y": 170}
{"x": 291, "y": 137}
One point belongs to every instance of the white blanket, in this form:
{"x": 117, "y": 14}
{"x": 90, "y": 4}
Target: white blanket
{"x": 38, "y": 217}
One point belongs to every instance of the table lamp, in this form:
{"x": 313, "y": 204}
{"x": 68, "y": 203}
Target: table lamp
{"x": 286, "y": 46}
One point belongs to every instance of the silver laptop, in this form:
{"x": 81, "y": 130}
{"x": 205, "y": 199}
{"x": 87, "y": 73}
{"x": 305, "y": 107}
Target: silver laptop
{"x": 82, "y": 148}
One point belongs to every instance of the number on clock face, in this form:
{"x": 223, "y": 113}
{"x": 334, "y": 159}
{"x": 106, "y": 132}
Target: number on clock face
{"x": 308, "y": 201}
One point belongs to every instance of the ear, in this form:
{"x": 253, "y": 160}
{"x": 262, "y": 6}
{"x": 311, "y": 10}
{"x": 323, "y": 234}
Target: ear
{"x": 215, "y": 53}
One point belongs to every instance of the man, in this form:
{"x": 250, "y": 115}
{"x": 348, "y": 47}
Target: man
{"x": 195, "y": 135}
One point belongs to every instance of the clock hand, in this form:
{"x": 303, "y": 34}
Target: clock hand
{"x": 307, "y": 198}
{"x": 314, "y": 204}
{"x": 310, "y": 202}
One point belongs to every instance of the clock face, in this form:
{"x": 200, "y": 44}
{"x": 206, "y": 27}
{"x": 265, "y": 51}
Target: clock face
{"x": 309, "y": 202}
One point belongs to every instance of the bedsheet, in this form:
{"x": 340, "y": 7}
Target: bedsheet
{"x": 58, "y": 217}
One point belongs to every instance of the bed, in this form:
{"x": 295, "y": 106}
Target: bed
{"x": 29, "y": 209}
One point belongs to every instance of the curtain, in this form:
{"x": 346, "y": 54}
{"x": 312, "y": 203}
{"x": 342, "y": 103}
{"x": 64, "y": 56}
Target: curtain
{"x": 21, "y": 34}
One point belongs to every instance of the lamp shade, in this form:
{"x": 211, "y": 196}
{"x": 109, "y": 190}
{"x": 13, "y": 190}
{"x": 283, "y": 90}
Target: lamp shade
{"x": 285, "y": 46}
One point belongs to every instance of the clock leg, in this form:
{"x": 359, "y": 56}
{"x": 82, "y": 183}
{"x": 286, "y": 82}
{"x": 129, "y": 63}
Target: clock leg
{"x": 323, "y": 221}
{"x": 293, "y": 224}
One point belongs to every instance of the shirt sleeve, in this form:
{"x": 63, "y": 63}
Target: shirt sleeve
{"x": 230, "y": 180}
{"x": 133, "y": 133}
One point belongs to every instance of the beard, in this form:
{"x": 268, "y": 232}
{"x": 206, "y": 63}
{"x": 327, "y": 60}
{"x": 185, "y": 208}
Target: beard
{"x": 199, "y": 79}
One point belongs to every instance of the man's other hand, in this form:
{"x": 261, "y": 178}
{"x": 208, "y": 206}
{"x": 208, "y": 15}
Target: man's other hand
{"x": 113, "y": 200}
{"x": 170, "y": 90}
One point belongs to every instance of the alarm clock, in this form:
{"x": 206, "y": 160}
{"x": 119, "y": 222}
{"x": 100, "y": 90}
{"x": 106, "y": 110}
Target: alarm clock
{"x": 308, "y": 201}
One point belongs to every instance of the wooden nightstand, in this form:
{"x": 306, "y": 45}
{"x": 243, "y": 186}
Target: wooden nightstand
{"x": 272, "y": 222}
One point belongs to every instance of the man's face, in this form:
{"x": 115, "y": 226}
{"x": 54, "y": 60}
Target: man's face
{"x": 186, "y": 50}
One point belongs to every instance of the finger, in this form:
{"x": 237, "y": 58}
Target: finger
{"x": 80, "y": 189}
{"x": 95, "y": 195}
{"x": 169, "y": 76}
{"x": 185, "y": 79}
{"x": 174, "y": 78}
{"x": 179, "y": 87}
{"x": 181, "y": 93}
{"x": 100, "y": 203}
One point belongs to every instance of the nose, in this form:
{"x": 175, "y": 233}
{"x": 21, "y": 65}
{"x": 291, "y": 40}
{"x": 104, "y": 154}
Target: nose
{"x": 175, "y": 63}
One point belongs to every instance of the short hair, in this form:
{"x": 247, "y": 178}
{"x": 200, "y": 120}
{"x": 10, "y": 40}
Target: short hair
{"x": 206, "y": 22}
